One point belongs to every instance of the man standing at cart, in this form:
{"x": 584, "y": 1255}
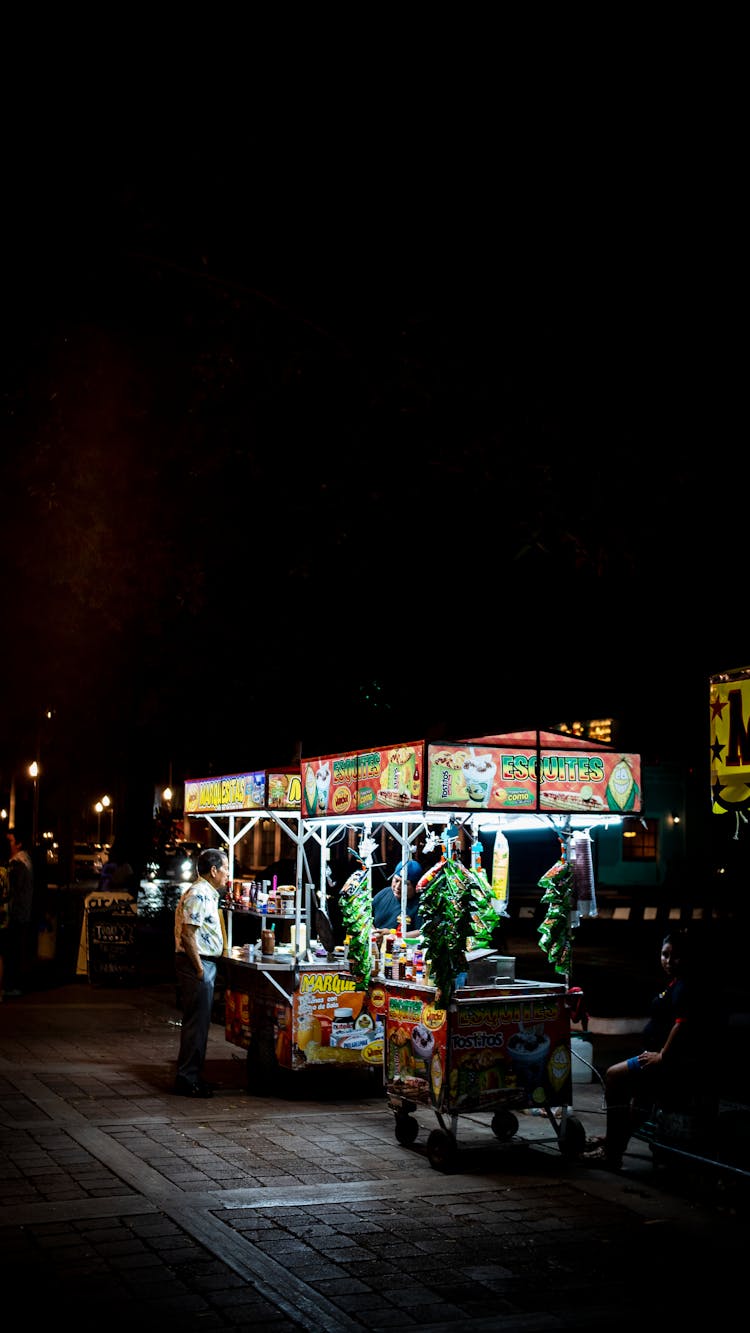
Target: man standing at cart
{"x": 199, "y": 944}
{"x": 386, "y": 905}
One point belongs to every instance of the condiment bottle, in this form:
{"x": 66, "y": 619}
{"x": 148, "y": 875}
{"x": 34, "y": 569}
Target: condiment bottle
{"x": 388, "y": 958}
{"x": 398, "y": 955}
{"x": 396, "y": 952}
{"x": 418, "y": 966}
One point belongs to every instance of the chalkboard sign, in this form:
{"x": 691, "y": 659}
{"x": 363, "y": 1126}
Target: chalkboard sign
{"x": 113, "y": 941}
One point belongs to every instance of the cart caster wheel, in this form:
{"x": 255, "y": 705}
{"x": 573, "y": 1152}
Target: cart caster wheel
{"x": 442, "y": 1150}
{"x": 504, "y": 1125}
{"x": 572, "y": 1138}
{"x": 406, "y": 1129}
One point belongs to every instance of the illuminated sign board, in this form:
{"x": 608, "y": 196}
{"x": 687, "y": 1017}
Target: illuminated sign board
{"x": 242, "y": 793}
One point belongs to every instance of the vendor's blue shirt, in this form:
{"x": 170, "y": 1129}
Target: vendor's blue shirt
{"x": 386, "y": 909}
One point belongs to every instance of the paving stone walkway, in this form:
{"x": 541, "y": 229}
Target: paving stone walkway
{"x": 124, "y": 1206}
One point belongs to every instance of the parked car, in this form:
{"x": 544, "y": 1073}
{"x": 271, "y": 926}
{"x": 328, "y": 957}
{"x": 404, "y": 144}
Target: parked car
{"x": 177, "y": 862}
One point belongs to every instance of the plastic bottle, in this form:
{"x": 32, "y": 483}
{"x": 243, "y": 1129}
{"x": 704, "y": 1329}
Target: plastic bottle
{"x": 500, "y": 858}
{"x": 387, "y": 957}
{"x": 397, "y": 953}
{"x": 476, "y": 855}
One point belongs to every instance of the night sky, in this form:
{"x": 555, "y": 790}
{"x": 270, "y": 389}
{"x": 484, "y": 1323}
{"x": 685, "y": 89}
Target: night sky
{"x": 297, "y": 450}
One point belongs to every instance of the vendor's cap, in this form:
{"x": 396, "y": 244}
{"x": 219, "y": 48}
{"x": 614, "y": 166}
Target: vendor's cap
{"x": 414, "y": 871}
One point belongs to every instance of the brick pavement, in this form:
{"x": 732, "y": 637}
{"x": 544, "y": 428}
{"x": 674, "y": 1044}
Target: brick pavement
{"x": 122, "y": 1205}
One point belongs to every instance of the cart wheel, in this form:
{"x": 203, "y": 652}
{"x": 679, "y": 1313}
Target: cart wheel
{"x": 442, "y": 1150}
{"x": 406, "y": 1128}
{"x": 504, "y": 1125}
{"x": 572, "y": 1138}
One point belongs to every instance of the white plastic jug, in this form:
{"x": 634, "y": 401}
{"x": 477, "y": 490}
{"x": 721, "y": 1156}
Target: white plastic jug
{"x": 581, "y": 1060}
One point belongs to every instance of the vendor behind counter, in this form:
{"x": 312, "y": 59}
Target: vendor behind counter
{"x": 386, "y": 905}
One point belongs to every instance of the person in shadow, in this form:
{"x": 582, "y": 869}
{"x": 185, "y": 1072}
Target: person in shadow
{"x": 16, "y": 937}
{"x": 117, "y": 873}
{"x": 666, "y": 1071}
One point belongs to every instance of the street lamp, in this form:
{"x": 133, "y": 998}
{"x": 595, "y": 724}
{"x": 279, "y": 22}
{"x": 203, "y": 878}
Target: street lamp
{"x": 108, "y": 806}
{"x": 34, "y": 774}
{"x": 104, "y": 804}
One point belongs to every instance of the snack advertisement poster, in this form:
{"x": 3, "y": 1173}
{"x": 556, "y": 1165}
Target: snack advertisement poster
{"x": 329, "y": 785}
{"x": 240, "y": 791}
{"x": 520, "y": 1049}
{"x": 284, "y": 791}
{"x": 504, "y": 779}
{"x": 364, "y": 781}
{"x": 321, "y": 1024}
{"x": 334, "y": 1025}
{"x": 390, "y": 779}
{"x": 415, "y": 1049}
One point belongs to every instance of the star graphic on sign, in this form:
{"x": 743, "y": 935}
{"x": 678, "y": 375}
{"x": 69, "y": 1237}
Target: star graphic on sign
{"x": 717, "y": 748}
{"x": 717, "y": 706}
{"x": 722, "y": 794}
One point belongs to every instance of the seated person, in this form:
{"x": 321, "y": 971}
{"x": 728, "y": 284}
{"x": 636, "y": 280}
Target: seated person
{"x": 664, "y": 1071}
{"x": 386, "y": 905}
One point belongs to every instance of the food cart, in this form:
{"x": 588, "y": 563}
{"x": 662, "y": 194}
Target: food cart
{"x": 497, "y": 1047}
{"x": 298, "y": 1000}
{"x": 474, "y": 1039}
{"x": 290, "y": 1000}
{"x": 471, "y": 1037}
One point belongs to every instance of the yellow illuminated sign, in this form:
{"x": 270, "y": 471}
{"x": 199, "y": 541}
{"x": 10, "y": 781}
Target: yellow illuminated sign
{"x": 730, "y": 742}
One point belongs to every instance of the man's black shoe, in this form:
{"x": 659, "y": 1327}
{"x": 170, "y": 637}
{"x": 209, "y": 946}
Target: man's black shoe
{"x": 184, "y": 1089}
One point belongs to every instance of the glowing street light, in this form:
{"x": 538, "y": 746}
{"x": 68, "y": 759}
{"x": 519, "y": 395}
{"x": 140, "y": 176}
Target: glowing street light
{"x": 34, "y": 775}
{"x": 105, "y": 803}
{"x": 108, "y": 806}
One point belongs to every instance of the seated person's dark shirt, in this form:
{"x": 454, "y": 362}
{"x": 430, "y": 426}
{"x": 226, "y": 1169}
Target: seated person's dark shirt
{"x": 676, "y": 1077}
{"x": 386, "y": 909}
{"x": 670, "y": 1006}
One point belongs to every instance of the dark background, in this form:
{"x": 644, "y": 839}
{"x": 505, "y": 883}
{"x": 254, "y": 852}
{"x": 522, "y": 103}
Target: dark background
{"x": 361, "y": 430}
